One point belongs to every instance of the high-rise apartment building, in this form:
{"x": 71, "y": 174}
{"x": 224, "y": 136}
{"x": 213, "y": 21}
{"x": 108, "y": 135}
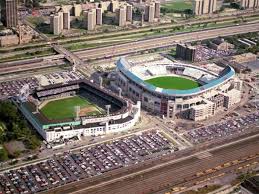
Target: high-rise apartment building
{"x": 66, "y": 20}
{"x": 157, "y": 9}
{"x": 114, "y": 5}
{"x": 9, "y": 16}
{"x": 198, "y": 7}
{"x": 129, "y": 12}
{"x": 90, "y": 19}
{"x": 99, "y": 16}
{"x": 55, "y": 21}
{"x": 201, "y": 7}
{"x": 76, "y": 10}
{"x": 249, "y": 4}
{"x": 149, "y": 12}
{"x": 186, "y": 52}
{"x": 121, "y": 16}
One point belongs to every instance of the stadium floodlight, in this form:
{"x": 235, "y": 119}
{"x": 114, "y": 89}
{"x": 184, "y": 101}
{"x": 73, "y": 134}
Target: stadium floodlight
{"x": 74, "y": 65}
{"x": 108, "y": 106}
{"x": 120, "y": 91}
{"x": 77, "y": 111}
{"x": 257, "y": 93}
{"x": 101, "y": 81}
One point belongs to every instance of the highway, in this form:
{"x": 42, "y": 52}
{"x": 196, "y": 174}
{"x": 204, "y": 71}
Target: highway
{"x": 152, "y": 43}
{"x": 215, "y": 18}
{"x": 142, "y": 45}
{"x": 179, "y": 172}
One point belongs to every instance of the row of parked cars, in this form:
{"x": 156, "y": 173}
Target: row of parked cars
{"x": 12, "y": 88}
{"x": 88, "y": 162}
{"x": 61, "y": 77}
{"x": 224, "y": 129}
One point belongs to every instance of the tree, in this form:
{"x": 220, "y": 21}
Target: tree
{"x": 3, "y": 155}
{"x": 32, "y": 3}
{"x": 235, "y": 5}
{"x": 15, "y": 126}
{"x": 188, "y": 11}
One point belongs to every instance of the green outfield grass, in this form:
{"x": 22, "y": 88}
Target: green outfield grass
{"x": 170, "y": 82}
{"x": 65, "y": 108}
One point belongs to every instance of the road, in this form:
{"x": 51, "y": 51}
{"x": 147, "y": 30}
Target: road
{"x": 173, "y": 172}
{"x": 133, "y": 47}
{"x": 142, "y": 45}
{"x": 215, "y": 18}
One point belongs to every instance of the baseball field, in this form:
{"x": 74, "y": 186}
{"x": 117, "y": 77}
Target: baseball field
{"x": 65, "y": 108}
{"x": 171, "y": 82}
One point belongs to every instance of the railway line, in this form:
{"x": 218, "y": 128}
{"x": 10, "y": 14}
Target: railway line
{"x": 34, "y": 64}
{"x": 216, "y": 18}
{"x": 134, "y": 47}
{"x": 142, "y": 45}
{"x": 27, "y": 67}
{"x": 164, "y": 175}
{"x": 162, "y": 179}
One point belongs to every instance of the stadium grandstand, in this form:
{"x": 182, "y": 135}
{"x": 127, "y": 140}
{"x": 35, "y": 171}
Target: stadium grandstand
{"x": 78, "y": 108}
{"x": 175, "y": 89}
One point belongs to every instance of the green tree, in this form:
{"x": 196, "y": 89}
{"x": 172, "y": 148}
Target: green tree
{"x": 3, "y": 155}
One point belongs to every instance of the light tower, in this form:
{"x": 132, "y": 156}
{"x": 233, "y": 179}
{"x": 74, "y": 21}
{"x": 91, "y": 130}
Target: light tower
{"x": 101, "y": 81}
{"x": 120, "y": 91}
{"x": 257, "y": 93}
{"x": 77, "y": 111}
{"x": 74, "y": 65}
{"x": 108, "y": 106}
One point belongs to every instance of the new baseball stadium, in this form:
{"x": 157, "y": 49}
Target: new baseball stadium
{"x": 78, "y": 108}
{"x": 174, "y": 89}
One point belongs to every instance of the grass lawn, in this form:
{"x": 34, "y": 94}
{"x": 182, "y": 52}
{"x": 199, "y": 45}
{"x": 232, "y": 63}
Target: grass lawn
{"x": 170, "y": 82}
{"x": 178, "y": 5}
{"x": 65, "y": 108}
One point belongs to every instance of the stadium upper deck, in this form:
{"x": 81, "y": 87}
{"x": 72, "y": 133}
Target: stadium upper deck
{"x": 121, "y": 115}
{"x": 215, "y": 90}
{"x": 124, "y": 67}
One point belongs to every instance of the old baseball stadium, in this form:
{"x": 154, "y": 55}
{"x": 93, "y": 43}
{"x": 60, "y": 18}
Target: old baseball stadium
{"x": 77, "y": 108}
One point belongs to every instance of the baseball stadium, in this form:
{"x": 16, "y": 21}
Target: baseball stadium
{"x": 77, "y": 108}
{"x": 174, "y": 89}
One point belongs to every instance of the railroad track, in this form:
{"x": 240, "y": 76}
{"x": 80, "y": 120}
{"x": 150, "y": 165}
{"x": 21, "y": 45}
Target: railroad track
{"x": 180, "y": 179}
{"x": 134, "y": 47}
{"x": 159, "y": 178}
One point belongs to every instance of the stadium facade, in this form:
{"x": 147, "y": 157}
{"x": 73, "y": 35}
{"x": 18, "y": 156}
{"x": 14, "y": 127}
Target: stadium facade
{"x": 216, "y": 91}
{"x": 121, "y": 115}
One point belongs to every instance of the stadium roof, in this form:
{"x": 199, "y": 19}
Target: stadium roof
{"x": 226, "y": 74}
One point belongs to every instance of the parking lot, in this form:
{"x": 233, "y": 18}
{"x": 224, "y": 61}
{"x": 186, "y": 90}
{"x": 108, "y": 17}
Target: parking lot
{"x": 60, "y": 77}
{"x": 222, "y": 130}
{"x": 89, "y": 162}
{"x": 204, "y": 53}
{"x": 12, "y": 88}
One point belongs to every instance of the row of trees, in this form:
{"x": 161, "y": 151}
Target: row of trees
{"x": 165, "y": 10}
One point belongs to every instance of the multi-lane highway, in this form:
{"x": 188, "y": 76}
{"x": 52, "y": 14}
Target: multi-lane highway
{"x": 32, "y": 64}
{"x": 137, "y": 46}
{"x": 178, "y": 172}
{"x": 133, "y": 47}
